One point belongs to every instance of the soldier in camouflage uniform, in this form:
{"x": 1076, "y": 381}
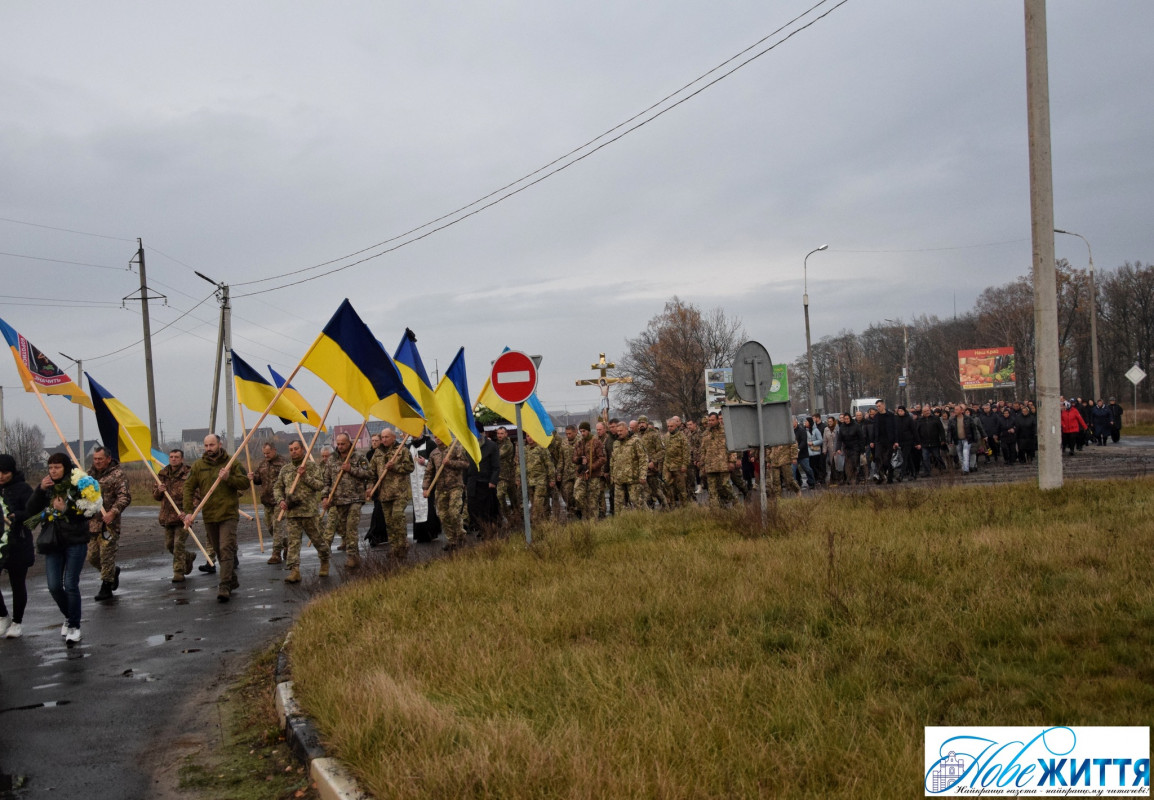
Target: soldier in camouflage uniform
{"x": 105, "y": 527}
{"x": 676, "y": 462}
{"x": 605, "y": 435}
{"x": 221, "y": 509}
{"x": 541, "y": 473}
{"x": 448, "y": 466}
{"x": 715, "y": 462}
{"x": 394, "y": 462}
{"x": 348, "y": 471}
{"x": 779, "y": 461}
{"x": 265, "y": 476}
{"x": 566, "y": 471}
{"x": 651, "y": 441}
{"x": 508, "y": 498}
{"x": 172, "y": 479}
{"x": 301, "y": 507}
{"x": 693, "y": 434}
{"x": 627, "y": 470}
{"x": 589, "y": 465}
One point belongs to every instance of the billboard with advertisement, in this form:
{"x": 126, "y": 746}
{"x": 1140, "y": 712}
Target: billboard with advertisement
{"x": 987, "y": 368}
{"x": 719, "y": 387}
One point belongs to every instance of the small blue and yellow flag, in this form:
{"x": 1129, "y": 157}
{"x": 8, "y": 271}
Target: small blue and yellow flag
{"x": 453, "y": 398}
{"x": 253, "y": 391}
{"x": 353, "y": 363}
{"x": 534, "y": 418}
{"x": 123, "y": 433}
{"x": 297, "y": 399}
{"x": 416, "y": 379}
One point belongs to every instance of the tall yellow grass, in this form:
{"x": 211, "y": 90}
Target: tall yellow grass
{"x": 689, "y": 655}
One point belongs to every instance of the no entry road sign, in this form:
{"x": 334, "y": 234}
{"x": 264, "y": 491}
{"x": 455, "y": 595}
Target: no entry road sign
{"x": 514, "y": 376}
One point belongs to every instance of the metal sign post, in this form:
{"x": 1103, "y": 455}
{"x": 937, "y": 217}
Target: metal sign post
{"x": 1135, "y": 375}
{"x": 752, "y": 385}
{"x": 514, "y": 378}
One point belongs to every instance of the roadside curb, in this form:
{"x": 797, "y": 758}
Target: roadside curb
{"x": 333, "y": 780}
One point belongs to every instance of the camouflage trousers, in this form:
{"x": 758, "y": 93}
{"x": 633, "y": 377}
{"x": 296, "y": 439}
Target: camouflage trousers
{"x": 346, "y": 521}
{"x": 539, "y": 502}
{"x": 656, "y": 488}
{"x": 777, "y": 476}
{"x": 175, "y": 537}
{"x": 275, "y": 529}
{"x": 567, "y": 489}
{"x": 630, "y": 495}
{"x": 394, "y": 511}
{"x": 102, "y": 551}
{"x": 675, "y": 488}
{"x": 587, "y": 497}
{"x": 298, "y": 528}
{"x": 719, "y": 489}
{"x": 450, "y": 504}
{"x": 509, "y": 498}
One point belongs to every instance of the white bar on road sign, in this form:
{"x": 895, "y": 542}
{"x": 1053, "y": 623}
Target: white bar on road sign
{"x": 513, "y": 377}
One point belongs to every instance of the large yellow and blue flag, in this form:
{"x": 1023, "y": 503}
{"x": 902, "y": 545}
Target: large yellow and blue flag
{"x": 35, "y": 367}
{"x": 534, "y": 418}
{"x": 353, "y": 363}
{"x": 253, "y": 391}
{"x": 297, "y": 399}
{"x": 119, "y": 427}
{"x": 452, "y": 396}
{"x": 416, "y": 379}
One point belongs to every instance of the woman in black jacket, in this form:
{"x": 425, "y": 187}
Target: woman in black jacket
{"x": 55, "y": 503}
{"x": 18, "y": 555}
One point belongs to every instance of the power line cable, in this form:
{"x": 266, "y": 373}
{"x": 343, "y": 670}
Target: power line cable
{"x": 65, "y": 230}
{"x": 62, "y": 261}
{"x": 170, "y": 324}
{"x": 553, "y": 163}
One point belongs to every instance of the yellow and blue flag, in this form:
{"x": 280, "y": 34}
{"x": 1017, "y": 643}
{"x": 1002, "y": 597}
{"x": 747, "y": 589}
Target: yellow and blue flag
{"x": 353, "y": 363}
{"x": 253, "y": 391}
{"x": 297, "y": 399}
{"x": 119, "y": 427}
{"x": 35, "y": 367}
{"x": 416, "y": 380}
{"x": 452, "y": 396}
{"x": 534, "y": 418}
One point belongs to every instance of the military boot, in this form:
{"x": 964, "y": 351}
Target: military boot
{"x": 294, "y": 576}
{"x": 324, "y": 573}
{"x": 116, "y": 579}
{"x": 188, "y": 559}
{"x": 275, "y": 557}
{"x": 178, "y": 577}
{"x": 105, "y": 592}
{"x": 352, "y": 561}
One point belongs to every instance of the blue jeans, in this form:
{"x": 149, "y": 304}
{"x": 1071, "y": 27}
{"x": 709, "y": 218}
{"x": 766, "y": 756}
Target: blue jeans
{"x": 803, "y": 466}
{"x": 62, "y": 569}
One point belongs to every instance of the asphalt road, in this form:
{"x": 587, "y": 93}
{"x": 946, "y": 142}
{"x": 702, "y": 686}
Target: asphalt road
{"x": 93, "y": 721}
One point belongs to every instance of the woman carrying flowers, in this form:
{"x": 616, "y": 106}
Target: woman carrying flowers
{"x": 61, "y": 504}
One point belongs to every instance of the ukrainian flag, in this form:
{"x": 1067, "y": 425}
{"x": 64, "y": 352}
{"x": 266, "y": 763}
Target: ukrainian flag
{"x": 534, "y": 418}
{"x": 35, "y": 367}
{"x": 119, "y": 427}
{"x": 253, "y": 391}
{"x": 353, "y": 363}
{"x": 453, "y": 398}
{"x": 297, "y": 399}
{"x": 416, "y": 379}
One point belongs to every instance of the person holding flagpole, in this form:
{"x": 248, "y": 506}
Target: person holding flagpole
{"x": 297, "y": 491}
{"x": 389, "y": 470}
{"x": 346, "y": 476}
{"x": 171, "y": 483}
{"x": 105, "y": 526}
{"x": 221, "y": 510}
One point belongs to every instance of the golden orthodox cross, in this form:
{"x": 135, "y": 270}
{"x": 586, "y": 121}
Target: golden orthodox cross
{"x": 604, "y": 382}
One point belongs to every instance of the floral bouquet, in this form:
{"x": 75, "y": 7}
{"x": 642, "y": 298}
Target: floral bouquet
{"x": 79, "y": 495}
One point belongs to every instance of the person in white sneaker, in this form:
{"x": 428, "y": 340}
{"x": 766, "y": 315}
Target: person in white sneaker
{"x": 18, "y": 554}
{"x": 56, "y": 503}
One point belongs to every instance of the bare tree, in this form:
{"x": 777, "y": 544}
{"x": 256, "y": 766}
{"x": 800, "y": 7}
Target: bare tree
{"x": 668, "y": 359}
{"x": 25, "y": 443}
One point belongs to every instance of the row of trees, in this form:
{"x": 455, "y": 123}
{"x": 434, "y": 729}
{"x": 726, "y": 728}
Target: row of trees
{"x": 23, "y": 442}
{"x": 669, "y": 358}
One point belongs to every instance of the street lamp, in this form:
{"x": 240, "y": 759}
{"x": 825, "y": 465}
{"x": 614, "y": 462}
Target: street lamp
{"x": 1093, "y": 314}
{"x": 906, "y": 357}
{"x": 808, "y": 344}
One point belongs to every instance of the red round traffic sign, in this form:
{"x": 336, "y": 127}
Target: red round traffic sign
{"x": 514, "y": 376}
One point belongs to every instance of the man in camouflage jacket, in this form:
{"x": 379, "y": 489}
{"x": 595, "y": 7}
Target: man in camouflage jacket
{"x": 589, "y": 467}
{"x": 541, "y": 473}
{"x": 715, "y": 462}
{"x": 654, "y": 446}
{"x": 508, "y": 498}
{"x": 105, "y": 527}
{"x": 676, "y": 462}
{"x": 298, "y": 494}
{"x": 391, "y": 465}
{"x": 447, "y": 465}
{"x": 265, "y": 476}
{"x": 172, "y": 479}
{"x": 627, "y": 470}
{"x": 348, "y": 471}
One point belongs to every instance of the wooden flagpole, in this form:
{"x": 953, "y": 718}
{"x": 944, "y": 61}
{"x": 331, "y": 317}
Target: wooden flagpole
{"x": 251, "y": 485}
{"x": 341, "y": 474}
{"x": 304, "y": 441}
{"x": 385, "y": 471}
{"x": 51, "y": 418}
{"x": 309, "y": 450}
{"x": 244, "y": 442}
{"x": 448, "y": 452}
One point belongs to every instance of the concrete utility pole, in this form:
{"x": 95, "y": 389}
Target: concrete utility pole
{"x": 1042, "y": 232}
{"x": 223, "y": 354}
{"x": 144, "y": 298}
{"x": 79, "y": 408}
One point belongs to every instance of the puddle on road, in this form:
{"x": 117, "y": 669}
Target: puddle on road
{"x": 181, "y": 601}
{"x": 159, "y": 639}
{"x": 192, "y": 650}
{"x": 140, "y": 676}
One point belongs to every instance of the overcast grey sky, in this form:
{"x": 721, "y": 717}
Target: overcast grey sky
{"x": 247, "y": 140}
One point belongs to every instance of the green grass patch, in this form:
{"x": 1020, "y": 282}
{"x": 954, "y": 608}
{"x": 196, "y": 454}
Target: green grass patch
{"x": 689, "y": 654}
{"x": 252, "y": 761}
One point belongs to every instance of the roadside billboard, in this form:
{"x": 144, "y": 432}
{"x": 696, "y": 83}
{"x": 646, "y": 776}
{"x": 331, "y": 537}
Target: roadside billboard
{"x": 719, "y": 387}
{"x": 987, "y": 368}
